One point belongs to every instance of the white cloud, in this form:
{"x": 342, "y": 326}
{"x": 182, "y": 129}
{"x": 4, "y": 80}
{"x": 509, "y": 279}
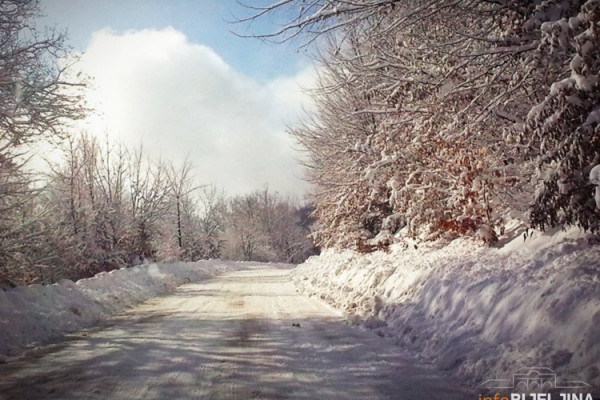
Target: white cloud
{"x": 178, "y": 97}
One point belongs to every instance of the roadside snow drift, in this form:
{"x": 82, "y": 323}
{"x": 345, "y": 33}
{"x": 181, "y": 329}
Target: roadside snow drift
{"x": 481, "y": 313}
{"x": 37, "y": 314}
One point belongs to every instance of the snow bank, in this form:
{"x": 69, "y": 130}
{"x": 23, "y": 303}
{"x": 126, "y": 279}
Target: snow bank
{"x": 37, "y": 314}
{"x": 481, "y": 313}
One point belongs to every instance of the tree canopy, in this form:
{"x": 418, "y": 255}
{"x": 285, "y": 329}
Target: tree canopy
{"x": 447, "y": 117}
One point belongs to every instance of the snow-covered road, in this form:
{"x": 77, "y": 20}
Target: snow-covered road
{"x": 245, "y": 335}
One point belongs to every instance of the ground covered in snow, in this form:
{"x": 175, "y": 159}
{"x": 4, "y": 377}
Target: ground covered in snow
{"x": 37, "y": 314}
{"x": 482, "y": 313}
{"x": 243, "y": 335}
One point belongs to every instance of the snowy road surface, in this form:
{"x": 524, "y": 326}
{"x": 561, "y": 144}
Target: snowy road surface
{"x": 245, "y": 335}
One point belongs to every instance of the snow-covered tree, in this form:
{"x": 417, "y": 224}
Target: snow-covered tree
{"x": 563, "y": 129}
{"x": 37, "y": 99}
{"x": 181, "y": 185}
{"x": 421, "y": 111}
{"x": 148, "y": 200}
{"x": 413, "y": 104}
{"x": 88, "y": 206}
{"x": 260, "y": 226}
{"x": 204, "y": 218}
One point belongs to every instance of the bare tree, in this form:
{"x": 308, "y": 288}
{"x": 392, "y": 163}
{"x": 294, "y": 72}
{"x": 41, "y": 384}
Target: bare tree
{"x": 244, "y": 231}
{"x": 181, "y": 185}
{"x": 34, "y": 98}
{"x": 37, "y": 99}
{"x": 263, "y": 227}
{"x": 211, "y": 221}
{"x": 149, "y": 191}
{"x": 313, "y": 18}
{"x": 111, "y": 179}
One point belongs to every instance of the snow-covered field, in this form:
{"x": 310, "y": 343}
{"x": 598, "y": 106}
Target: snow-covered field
{"x": 481, "y": 313}
{"x": 37, "y": 314}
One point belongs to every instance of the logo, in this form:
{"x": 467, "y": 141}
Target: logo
{"x": 533, "y": 378}
{"x": 536, "y": 383}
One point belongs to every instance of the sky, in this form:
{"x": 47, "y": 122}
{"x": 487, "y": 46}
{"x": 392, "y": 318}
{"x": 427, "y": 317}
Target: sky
{"x": 171, "y": 76}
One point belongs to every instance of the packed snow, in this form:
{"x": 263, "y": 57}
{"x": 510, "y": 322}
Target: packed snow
{"x": 479, "y": 312}
{"x": 38, "y": 314}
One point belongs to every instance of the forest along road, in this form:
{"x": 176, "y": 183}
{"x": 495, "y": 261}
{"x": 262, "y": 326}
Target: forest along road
{"x": 245, "y": 335}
